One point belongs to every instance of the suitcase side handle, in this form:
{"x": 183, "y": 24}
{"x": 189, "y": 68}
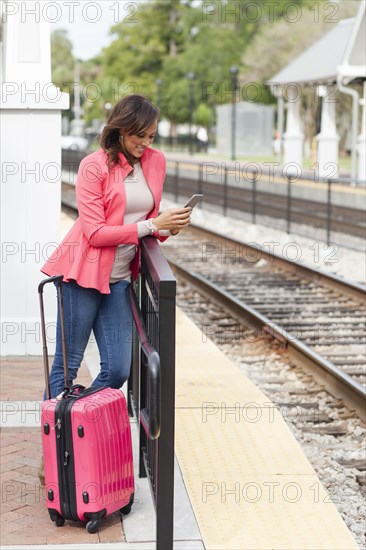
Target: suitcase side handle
{"x": 149, "y": 418}
{"x": 57, "y": 279}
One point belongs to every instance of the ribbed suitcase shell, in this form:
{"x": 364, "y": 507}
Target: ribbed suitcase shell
{"x": 102, "y": 453}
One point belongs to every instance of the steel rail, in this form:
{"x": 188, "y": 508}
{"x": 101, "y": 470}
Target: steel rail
{"x": 356, "y": 289}
{"x": 338, "y": 382}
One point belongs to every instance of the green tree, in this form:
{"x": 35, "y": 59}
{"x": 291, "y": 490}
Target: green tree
{"x": 62, "y": 65}
{"x": 203, "y": 115}
{"x": 138, "y": 52}
{"x": 95, "y": 89}
{"x": 172, "y": 38}
{"x": 141, "y": 52}
{"x": 260, "y": 61}
{"x": 62, "y": 59}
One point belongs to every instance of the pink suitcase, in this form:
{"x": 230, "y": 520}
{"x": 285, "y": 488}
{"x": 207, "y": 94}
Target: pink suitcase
{"x": 87, "y": 448}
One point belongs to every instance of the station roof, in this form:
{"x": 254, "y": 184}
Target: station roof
{"x": 354, "y": 61}
{"x": 319, "y": 63}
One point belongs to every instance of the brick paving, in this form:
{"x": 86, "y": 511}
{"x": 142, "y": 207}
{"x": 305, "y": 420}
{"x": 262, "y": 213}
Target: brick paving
{"x": 24, "y": 517}
{"x": 22, "y": 378}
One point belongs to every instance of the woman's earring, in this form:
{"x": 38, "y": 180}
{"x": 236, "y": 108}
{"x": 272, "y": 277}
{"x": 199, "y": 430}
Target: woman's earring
{"x": 121, "y": 139}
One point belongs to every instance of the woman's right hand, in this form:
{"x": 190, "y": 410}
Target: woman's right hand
{"x": 173, "y": 219}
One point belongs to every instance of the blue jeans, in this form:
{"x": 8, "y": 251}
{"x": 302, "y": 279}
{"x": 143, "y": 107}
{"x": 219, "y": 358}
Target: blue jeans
{"x": 109, "y": 316}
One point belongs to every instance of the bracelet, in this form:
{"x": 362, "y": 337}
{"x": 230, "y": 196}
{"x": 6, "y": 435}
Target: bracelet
{"x": 151, "y": 226}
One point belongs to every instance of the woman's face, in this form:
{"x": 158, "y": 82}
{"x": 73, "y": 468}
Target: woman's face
{"x": 135, "y": 145}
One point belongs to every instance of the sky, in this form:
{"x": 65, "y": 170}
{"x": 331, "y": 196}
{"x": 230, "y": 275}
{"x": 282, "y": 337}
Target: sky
{"x": 88, "y": 22}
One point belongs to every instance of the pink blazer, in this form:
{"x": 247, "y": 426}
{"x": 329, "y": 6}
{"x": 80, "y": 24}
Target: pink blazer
{"x": 87, "y": 252}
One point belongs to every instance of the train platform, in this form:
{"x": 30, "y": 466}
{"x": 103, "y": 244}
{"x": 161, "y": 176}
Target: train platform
{"x": 213, "y": 155}
{"x": 242, "y": 481}
{"x": 270, "y": 179}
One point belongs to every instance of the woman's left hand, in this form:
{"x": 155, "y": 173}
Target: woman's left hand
{"x": 173, "y": 219}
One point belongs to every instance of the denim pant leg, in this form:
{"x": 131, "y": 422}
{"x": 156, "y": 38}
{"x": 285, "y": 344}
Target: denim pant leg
{"x": 113, "y": 333}
{"x": 80, "y": 310}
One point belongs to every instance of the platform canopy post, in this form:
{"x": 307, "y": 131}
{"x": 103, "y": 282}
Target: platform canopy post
{"x": 30, "y": 110}
{"x": 328, "y": 138}
{"x": 352, "y": 69}
{"x": 361, "y": 144}
{"x": 293, "y": 137}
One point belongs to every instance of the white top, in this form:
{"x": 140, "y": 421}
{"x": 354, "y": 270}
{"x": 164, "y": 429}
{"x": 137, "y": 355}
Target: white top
{"x": 139, "y": 202}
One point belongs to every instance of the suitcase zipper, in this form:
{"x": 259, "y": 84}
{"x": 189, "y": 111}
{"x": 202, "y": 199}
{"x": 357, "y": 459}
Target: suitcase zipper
{"x": 66, "y": 471}
{"x": 65, "y": 453}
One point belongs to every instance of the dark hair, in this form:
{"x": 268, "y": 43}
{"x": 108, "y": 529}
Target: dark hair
{"x": 134, "y": 114}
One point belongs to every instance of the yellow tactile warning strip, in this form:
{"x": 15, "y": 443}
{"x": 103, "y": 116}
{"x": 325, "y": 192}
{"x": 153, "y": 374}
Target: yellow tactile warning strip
{"x": 250, "y": 485}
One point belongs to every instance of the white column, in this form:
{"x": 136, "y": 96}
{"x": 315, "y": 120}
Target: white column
{"x": 361, "y": 142}
{"x": 293, "y": 138}
{"x": 30, "y": 111}
{"x": 328, "y": 138}
{"x": 279, "y": 133}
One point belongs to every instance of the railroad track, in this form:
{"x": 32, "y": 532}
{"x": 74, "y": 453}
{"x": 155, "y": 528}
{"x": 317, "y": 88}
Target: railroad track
{"x": 319, "y": 319}
{"x": 325, "y": 409}
{"x": 331, "y": 435}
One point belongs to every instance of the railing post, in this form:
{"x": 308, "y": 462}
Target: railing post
{"x": 225, "y": 192}
{"x": 288, "y": 217}
{"x": 254, "y": 198}
{"x": 165, "y": 473}
{"x": 200, "y": 178}
{"x": 143, "y": 441}
{"x": 329, "y": 209}
{"x": 133, "y": 383}
{"x": 176, "y": 181}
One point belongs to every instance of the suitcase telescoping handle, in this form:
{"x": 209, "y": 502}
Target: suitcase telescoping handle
{"x": 58, "y": 281}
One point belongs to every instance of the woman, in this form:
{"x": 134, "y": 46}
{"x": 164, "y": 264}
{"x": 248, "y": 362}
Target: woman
{"x": 118, "y": 190}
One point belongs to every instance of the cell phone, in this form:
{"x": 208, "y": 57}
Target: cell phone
{"x": 195, "y": 199}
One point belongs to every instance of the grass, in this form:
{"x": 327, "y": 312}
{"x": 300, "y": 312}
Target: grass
{"x": 344, "y": 162}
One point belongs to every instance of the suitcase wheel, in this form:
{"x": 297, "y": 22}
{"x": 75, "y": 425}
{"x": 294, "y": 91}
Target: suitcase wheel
{"x": 127, "y": 509}
{"x": 59, "y": 522}
{"x": 57, "y": 519}
{"x": 93, "y": 525}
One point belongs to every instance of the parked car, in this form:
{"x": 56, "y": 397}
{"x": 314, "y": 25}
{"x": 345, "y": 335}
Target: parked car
{"x": 75, "y": 143}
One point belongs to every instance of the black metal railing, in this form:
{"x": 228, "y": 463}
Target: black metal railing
{"x": 275, "y": 198}
{"x": 151, "y": 386}
{"x": 247, "y": 188}
{"x": 70, "y": 160}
